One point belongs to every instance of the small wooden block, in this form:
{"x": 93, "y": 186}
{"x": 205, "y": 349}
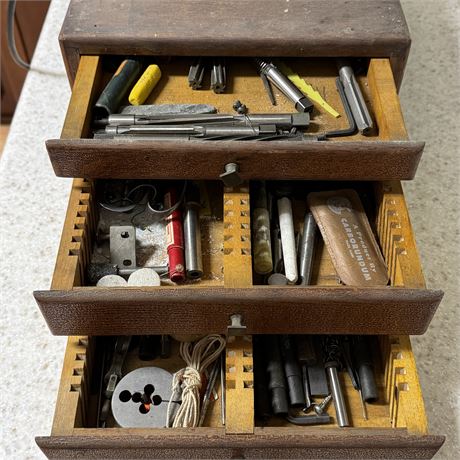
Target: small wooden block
{"x": 239, "y": 386}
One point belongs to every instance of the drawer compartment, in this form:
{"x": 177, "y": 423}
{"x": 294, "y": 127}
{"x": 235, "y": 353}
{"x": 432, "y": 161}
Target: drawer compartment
{"x": 396, "y": 426}
{"x": 228, "y": 287}
{"x": 384, "y": 154}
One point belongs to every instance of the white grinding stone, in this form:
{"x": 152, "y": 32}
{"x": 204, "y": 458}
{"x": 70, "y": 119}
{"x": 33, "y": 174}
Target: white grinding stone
{"x": 111, "y": 281}
{"x": 144, "y": 277}
{"x": 288, "y": 239}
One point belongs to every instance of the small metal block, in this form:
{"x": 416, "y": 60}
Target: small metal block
{"x": 236, "y": 327}
{"x": 123, "y": 246}
{"x": 230, "y": 177}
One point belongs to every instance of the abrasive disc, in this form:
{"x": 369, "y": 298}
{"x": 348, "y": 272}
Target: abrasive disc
{"x": 140, "y": 399}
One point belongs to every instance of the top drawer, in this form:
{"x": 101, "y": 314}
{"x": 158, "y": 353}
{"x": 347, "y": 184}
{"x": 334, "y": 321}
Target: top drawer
{"x": 383, "y": 154}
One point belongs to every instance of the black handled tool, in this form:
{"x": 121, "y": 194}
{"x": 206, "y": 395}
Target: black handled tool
{"x": 292, "y": 371}
{"x": 261, "y": 393}
{"x": 276, "y": 377}
{"x": 113, "y": 94}
{"x": 365, "y": 367}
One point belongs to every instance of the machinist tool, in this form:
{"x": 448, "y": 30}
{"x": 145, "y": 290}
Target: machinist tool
{"x": 306, "y": 357}
{"x": 276, "y": 377}
{"x": 98, "y": 270}
{"x": 148, "y": 347}
{"x": 281, "y": 120}
{"x": 218, "y": 76}
{"x": 331, "y": 349}
{"x": 209, "y": 389}
{"x": 268, "y": 88}
{"x": 192, "y": 233}
{"x": 354, "y": 96}
{"x": 174, "y": 237}
{"x": 307, "y": 89}
{"x": 286, "y": 224}
{"x": 275, "y": 76}
{"x": 113, "y": 94}
{"x": 306, "y": 249}
{"x": 316, "y": 373}
{"x": 261, "y": 392}
{"x": 145, "y": 85}
{"x": 141, "y": 398}
{"x": 113, "y": 375}
{"x": 196, "y": 74}
{"x": 263, "y": 262}
{"x": 365, "y": 368}
{"x": 320, "y": 408}
{"x": 351, "y": 121}
{"x": 292, "y": 371}
{"x": 222, "y": 387}
{"x": 240, "y": 108}
{"x": 346, "y": 354}
{"x": 204, "y": 130}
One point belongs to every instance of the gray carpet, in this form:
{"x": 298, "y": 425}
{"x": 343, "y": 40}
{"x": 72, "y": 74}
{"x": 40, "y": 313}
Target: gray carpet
{"x": 33, "y": 204}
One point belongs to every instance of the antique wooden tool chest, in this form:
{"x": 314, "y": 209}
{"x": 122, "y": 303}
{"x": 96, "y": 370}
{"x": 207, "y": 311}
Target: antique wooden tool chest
{"x": 310, "y": 35}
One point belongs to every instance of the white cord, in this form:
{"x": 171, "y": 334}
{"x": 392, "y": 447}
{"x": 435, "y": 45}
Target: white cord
{"x": 198, "y": 357}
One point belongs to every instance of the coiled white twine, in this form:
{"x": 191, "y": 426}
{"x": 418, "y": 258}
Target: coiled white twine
{"x": 198, "y": 356}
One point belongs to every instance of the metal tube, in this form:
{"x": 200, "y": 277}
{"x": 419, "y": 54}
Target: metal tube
{"x": 337, "y": 396}
{"x": 301, "y": 102}
{"x": 307, "y": 244}
{"x": 354, "y": 96}
{"x": 282, "y": 120}
{"x": 192, "y": 234}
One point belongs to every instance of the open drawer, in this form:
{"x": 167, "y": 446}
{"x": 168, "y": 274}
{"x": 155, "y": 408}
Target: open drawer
{"x": 396, "y": 425}
{"x": 384, "y": 154}
{"x": 228, "y": 286}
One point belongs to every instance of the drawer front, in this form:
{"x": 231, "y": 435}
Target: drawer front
{"x": 299, "y": 29}
{"x": 384, "y": 154}
{"x": 396, "y": 425}
{"x": 72, "y": 307}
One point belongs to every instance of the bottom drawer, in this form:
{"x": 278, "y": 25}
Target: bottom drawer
{"x": 396, "y": 425}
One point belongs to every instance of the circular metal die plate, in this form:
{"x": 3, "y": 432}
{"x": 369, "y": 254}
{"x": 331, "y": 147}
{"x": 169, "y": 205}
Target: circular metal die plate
{"x": 141, "y": 398}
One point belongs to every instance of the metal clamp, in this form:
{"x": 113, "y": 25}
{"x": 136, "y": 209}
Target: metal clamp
{"x": 236, "y": 327}
{"x": 230, "y": 177}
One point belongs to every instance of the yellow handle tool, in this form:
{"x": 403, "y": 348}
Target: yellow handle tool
{"x": 145, "y": 85}
{"x": 307, "y": 89}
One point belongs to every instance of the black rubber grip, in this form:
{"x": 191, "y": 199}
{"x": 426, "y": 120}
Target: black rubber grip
{"x": 292, "y": 371}
{"x": 276, "y": 377}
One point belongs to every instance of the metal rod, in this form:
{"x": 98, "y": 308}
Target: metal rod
{"x": 337, "y": 396}
{"x": 192, "y": 234}
{"x": 307, "y": 245}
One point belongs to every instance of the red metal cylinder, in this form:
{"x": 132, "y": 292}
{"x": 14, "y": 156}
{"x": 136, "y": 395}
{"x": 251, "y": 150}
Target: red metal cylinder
{"x": 174, "y": 238}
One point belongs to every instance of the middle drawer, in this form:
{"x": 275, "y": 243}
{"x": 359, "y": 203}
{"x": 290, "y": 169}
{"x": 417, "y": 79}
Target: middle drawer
{"x": 229, "y": 289}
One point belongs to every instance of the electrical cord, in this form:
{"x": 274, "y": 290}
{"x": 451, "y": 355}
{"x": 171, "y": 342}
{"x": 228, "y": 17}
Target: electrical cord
{"x": 12, "y": 45}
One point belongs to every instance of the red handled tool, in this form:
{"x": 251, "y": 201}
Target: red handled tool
{"x": 174, "y": 238}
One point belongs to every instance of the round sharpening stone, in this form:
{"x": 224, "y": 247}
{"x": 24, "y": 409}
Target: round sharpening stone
{"x": 140, "y": 399}
{"x": 111, "y": 281}
{"x": 144, "y": 277}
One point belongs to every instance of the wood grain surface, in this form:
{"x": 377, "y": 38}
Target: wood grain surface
{"x": 266, "y": 443}
{"x": 366, "y": 160}
{"x": 239, "y": 28}
{"x": 265, "y": 310}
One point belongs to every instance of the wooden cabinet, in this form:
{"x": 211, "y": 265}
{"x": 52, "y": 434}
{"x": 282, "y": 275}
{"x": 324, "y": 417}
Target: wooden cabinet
{"x": 29, "y": 19}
